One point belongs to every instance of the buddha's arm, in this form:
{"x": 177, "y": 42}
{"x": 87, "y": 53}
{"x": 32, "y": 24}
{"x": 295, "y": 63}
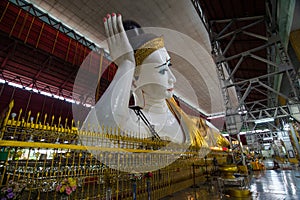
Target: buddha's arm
{"x": 112, "y": 107}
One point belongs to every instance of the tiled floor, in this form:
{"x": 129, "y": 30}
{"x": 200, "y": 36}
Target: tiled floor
{"x": 264, "y": 185}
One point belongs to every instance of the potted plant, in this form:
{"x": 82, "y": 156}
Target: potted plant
{"x": 66, "y": 188}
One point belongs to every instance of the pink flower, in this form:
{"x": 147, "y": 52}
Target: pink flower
{"x": 68, "y": 190}
{"x": 58, "y": 187}
{"x": 74, "y": 188}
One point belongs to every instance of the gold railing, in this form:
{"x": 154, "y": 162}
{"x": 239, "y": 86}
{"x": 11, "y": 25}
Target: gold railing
{"x": 39, "y": 155}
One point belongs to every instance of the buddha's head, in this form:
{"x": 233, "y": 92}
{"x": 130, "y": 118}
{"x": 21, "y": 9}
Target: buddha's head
{"x": 153, "y": 75}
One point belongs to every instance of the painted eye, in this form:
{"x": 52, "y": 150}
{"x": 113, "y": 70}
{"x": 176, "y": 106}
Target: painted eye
{"x": 162, "y": 71}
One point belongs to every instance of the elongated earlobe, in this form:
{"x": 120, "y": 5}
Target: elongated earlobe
{"x": 139, "y": 99}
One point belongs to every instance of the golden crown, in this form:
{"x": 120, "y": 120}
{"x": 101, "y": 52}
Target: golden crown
{"x": 146, "y": 49}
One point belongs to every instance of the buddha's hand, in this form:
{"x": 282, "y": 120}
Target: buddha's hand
{"x": 119, "y": 47}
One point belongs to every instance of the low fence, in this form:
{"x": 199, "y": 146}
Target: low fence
{"x": 43, "y": 160}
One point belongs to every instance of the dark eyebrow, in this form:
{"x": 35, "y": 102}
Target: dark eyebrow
{"x": 163, "y": 64}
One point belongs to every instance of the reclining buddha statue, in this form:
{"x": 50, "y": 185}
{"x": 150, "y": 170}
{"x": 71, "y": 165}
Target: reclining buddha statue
{"x": 144, "y": 72}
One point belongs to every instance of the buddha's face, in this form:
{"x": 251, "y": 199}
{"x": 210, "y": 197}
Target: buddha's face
{"x": 156, "y": 78}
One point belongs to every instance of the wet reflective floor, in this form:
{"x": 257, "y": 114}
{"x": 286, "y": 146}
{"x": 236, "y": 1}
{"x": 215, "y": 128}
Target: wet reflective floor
{"x": 276, "y": 185}
{"x": 264, "y": 185}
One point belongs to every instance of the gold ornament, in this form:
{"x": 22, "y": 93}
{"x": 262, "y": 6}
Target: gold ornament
{"x": 145, "y": 50}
